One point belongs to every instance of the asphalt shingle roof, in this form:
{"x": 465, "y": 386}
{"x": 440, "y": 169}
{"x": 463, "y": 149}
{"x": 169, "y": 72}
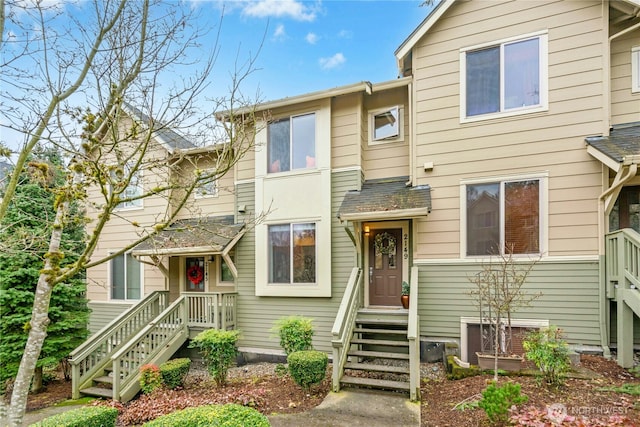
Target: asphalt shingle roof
{"x": 174, "y": 140}
{"x": 623, "y": 141}
{"x": 385, "y": 195}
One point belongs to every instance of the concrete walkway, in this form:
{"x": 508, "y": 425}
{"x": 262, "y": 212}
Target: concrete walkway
{"x": 349, "y": 408}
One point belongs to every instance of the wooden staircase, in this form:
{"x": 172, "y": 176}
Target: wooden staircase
{"x": 379, "y": 353}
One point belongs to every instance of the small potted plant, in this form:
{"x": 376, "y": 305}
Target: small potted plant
{"x": 404, "y": 294}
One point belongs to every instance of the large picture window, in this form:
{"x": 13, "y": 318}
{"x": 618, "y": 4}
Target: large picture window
{"x": 504, "y": 77}
{"x": 292, "y": 144}
{"x": 125, "y": 278}
{"x": 292, "y": 253}
{"x": 503, "y": 217}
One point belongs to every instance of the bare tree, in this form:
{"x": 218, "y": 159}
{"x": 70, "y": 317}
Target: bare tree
{"x": 99, "y": 90}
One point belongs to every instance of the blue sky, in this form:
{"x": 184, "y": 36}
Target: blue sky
{"x": 315, "y": 45}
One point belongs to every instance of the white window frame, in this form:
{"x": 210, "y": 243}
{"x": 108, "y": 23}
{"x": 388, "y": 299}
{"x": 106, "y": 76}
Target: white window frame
{"x": 399, "y": 137}
{"x": 134, "y": 204}
{"x": 291, "y": 136}
{"x": 126, "y": 288}
{"x": 543, "y": 195}
{"x": 220, "y": 262}
{"x": 543, "y": 47}
{"x": 635, "y": 69}
{"x": 200, "y": 193}
{"x": 291, "y": 266}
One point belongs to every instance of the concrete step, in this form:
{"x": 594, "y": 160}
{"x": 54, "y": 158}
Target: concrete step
{"x": 388, "y": 343}
{"x": 379, "y": 354}
{"x": 375, "y": 383}
{"x": 372, "y": 367}
{"x": 98, "y": 392}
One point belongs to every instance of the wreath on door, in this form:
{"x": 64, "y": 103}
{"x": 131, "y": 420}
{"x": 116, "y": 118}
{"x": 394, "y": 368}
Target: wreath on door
{"x": 390, "y": 248}
{"x": 195, "y": 274}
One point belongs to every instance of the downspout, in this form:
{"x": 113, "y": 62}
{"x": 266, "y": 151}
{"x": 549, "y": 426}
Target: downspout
{"x": 412, "y": 135}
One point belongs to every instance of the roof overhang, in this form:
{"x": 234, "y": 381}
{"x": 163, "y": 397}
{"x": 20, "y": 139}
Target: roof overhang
{"x": 619, "y": 149}
{"x": 385, "y": 199}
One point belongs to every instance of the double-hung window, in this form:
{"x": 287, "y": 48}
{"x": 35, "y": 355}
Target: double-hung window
{"x": 503, "y": 78}
{"x": 503, "y": 217}
{"x": 291, "y": 143}
{"x": 131, "y": 196}
{"x": 125, "y": 277}
{"x": 292, "y": 253}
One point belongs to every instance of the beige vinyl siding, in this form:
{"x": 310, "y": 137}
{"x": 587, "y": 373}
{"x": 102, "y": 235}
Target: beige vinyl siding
{"x": 345, "y": 131}
{"x": 625, "y": 105}
{"x": 245, "y": 168}
{"x": 256, "y": 315}
{"x": 386, "y": 159}
{"x": 103, "y": 313}
{"x": 569, "y": 300}
{"x": 550, "y": 142}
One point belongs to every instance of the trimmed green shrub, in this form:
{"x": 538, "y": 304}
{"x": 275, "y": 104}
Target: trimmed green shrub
{"x": 150, "y": 378}
{"x": 550, "y": 352}
{"x": 175, "y": 371}
{"x": 230, "y": 415}
{"x": 307, "y": 367}
{"x": 496, "y": 401}
{"x": 94, "y": 416}
{"x": 219, "y": 351}
{"x": 295, "y": 332}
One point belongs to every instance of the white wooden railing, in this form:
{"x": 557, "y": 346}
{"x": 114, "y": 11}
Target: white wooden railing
{"x": 342, "y": 330}
{"x": 94, "y": 354}
{"x": 211, "y": 310}
{"x": 413, "y": 335}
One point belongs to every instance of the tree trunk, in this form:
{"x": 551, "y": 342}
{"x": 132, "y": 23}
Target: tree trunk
{"x": 38, "y": 323}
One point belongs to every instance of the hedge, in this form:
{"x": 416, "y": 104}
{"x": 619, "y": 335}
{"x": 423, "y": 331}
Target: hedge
{"x": 175, "y": 371}
{"x": 230, "y": 415}
{"x": 307, "y": 367}
{"x": 94, "y": 416}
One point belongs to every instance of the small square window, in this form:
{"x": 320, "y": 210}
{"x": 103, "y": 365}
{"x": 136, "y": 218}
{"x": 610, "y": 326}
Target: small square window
{"x": 385, "y": 125}
{"x": 207, "y": 188}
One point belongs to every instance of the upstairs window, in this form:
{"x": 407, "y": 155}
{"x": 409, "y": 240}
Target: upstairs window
{"x": 504, "y": 77}
{"x": 131, "y": 196}
{"x": 125, "y": 278}
{"x": 291, "y": 144}
{"x": 502, "y": 217}
{"x": 208, "y": 188}
{"x": 635, "y": 69}
{"x": 292, "y": 253}
{"x": 385, "y": 125}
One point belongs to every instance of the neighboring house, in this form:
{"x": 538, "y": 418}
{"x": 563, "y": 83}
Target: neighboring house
{"x": 512, "y": 124}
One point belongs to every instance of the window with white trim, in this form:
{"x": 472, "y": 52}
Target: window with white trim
{"x": 503, "y": 217}
{"x": 131, "y": 196}
{"x": 208, "y": 187}
{"x": 125, "y": 277}
{"x": 291, "y": 143}
{"x": 635, "y": 69}
{"x": 292, "y": 253}
{"x": 385, "y": 125}
{"x": 504, "y": 78}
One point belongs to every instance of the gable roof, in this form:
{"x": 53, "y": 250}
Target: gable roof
{"x": 169, "y": 139}
{"x": 385, "y": 198}
{"x": 620, "y": 147}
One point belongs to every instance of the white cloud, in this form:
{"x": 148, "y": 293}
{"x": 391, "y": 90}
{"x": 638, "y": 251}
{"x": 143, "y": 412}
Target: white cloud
{"x": 312, "y": 38}
{"x": 332, "y": 61}
{"x": 279, "y": 33}
{"x": 281, "y": 8}
{"x": 345, "y": 34}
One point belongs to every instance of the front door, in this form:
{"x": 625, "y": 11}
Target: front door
{"x": 195, "y": 274}
{"x": 385, "y": 266}
{"x": 626, "y": 212}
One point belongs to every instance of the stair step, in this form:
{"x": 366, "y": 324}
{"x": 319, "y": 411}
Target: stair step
{"x": 98, "y": 391}
{"x": 104, "y": 379}
{"x": 372, "y": 382}
{"x": 379, "y": 354}
{"x": 390, "y": 343}
{"x": 377, "y": 368}
{"x": 379, "y": 331}
{"x": 378, "y": 321}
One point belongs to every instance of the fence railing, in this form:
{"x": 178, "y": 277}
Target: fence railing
{"x": 95, "y": 353}
{"x": 211, "y": 310}
{"x": 622, "y": 260}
